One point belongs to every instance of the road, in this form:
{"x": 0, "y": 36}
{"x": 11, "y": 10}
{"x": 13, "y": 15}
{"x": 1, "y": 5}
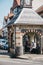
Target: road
{"x": 19, "y": 62}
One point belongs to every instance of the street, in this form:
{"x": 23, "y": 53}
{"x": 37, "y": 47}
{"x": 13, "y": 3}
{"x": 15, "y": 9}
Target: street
{"x": 8, "y": 61}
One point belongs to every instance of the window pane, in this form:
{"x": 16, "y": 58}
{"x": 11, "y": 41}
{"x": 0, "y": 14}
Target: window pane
{"x": 27, "y": 2}
{"x": 21, "y": 2}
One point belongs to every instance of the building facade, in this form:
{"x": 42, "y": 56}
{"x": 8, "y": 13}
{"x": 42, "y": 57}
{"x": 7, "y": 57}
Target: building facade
{"x": 24, "y": 28}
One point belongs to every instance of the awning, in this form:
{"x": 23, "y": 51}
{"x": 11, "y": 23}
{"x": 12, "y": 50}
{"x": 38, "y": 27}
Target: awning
{"x": 15, "y": 4}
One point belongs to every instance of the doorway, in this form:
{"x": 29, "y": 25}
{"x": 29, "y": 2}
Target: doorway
{"x": 32, "y": 43}
{"x": 26, "y": 43}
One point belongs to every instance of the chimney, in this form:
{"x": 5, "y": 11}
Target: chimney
{"x": 26, "y": 3}
{"x": 22, "y": 3}
{"x": 16, "y": 3}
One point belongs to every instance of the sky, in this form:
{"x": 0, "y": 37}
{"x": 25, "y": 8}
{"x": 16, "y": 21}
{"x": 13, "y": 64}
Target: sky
{"x": 5, "y": 6}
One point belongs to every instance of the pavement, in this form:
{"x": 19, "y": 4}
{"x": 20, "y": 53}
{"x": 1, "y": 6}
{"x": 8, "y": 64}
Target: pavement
{"x": 7, "y": 61}
{"x": 31, "y": 56}
{"x": 4, "y": 56}
{"x": 25, "y": 56}
{"x": 26, "y": 59}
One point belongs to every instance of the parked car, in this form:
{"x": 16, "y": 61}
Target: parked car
{"x": 3, "y": 44}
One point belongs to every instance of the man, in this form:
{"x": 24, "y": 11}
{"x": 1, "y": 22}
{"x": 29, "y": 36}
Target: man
{"x": 33, "y": 47}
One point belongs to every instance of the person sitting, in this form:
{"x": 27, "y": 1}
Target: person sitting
{"x": 33, "y": 47}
